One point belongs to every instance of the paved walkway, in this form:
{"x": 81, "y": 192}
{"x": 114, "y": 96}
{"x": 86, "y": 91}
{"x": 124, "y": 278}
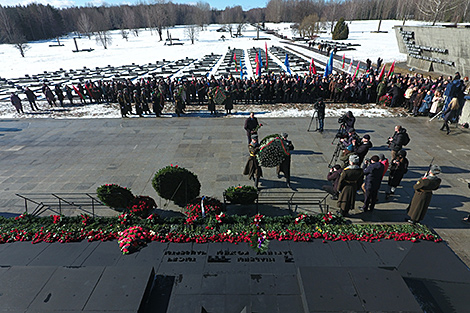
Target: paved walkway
{"x": 38, "y": 156}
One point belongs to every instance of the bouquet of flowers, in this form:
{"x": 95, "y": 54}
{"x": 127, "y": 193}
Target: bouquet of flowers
{"x": 272, "y": 151}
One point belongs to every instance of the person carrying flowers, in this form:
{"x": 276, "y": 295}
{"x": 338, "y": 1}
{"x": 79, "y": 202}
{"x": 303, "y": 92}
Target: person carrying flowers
{"x": 252, "y": 167}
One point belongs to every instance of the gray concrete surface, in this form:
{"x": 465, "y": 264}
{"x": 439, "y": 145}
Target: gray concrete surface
{"x": 47, "y": 156}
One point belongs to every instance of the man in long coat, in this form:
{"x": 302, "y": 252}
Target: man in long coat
{"x": 373, "y": 178}
{"x": 284, "y": 167}
{"x": 349, "y": 183}
{"x": 423, "y": 194}
{"x": 252, "y": 167}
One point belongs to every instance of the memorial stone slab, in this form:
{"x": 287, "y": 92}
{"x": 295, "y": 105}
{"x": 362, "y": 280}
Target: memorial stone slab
{"x": 21, "y": 284}
{"x": 383, "y": 290}
{"x": 67, "y": 289}
{"x": 99, "y": 253}
{"x": 391, "y": 252}
{"x": 60, "y": 254}
{"x": 355, "y": 253}
{"x": 17, "y": 253}
{"x": 121, "y": 289}
{"x": 435, "y": 261}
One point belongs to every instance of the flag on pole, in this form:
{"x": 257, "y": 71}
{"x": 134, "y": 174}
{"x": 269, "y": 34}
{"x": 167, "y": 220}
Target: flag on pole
{"x": 266, "y": 48}
{"x": 382, "y": 71}
{"x": 260, "y": 56}
{"x": 235, "y": 60}
{"x": 312, "y": 69}
{"x": 78, "y": 92}
{"x": 350, "y": 65}
{"x": 356, "y": 73}
{"x": 286, "y": 63}
{"x": 391, "y": 70}
{"x": 241, "y": 69}
{"x": 344, "y": 60}
{"x": 329, "y": 66}
{"x": 258, "y": 70}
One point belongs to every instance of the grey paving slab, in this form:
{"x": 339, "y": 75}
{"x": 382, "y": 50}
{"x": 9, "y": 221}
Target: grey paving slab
{"x": 67, "y": 289}
{"x": 120, "y": 290}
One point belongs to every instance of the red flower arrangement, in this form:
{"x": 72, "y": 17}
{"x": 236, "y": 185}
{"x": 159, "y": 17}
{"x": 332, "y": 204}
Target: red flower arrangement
{"x": 132, "y": 239}
{"x": 194, "y": 209}
{"x": 141, "y": 206}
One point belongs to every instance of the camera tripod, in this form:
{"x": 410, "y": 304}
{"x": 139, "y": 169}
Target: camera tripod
{"x": 314, "y": 116}
{"x": 335, "y": 156}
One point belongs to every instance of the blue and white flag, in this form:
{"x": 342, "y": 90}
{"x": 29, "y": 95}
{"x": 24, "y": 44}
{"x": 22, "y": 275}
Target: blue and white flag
{"x": 329, "y": 66}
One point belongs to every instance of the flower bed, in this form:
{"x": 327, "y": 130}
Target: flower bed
{"x": 241, "y": 194}
{"x": 214, "y": 228}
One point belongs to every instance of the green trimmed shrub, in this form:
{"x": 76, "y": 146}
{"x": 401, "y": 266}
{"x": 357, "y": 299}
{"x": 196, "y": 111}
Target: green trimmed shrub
{"x": 177, "y": 184}
{"x": 115, "y": 196}
{"x": 341, "y": 30}
{"x": 241, "y": 194}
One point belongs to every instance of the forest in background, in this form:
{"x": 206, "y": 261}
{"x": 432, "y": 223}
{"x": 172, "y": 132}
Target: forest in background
{"x": 22, "y": 23}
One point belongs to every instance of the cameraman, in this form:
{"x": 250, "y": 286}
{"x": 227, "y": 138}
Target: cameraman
{"x": 320, "y": 108}
{"x": 348, "y": 120}
{"x": 351, "y": 141}
{"x": 363, "y": 147}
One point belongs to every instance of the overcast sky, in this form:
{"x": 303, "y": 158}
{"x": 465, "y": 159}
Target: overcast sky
{"x": 218, "y": 4}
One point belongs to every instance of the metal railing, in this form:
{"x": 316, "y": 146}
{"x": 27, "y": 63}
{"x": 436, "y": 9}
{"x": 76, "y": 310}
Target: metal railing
{"x": 61, "y": 203}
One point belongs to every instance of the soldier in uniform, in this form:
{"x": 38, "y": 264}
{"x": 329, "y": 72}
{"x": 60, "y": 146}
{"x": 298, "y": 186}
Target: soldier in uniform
{"x": 284, "y": 167}
{"x": 349, "y": 183}
{"x": 122, "y": 103}
{"x": 252, "y": 167}
{"x": 423, "y": 194}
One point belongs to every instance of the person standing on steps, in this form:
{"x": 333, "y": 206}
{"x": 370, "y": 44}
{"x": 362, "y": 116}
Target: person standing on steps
{"x": 349, "y": 183}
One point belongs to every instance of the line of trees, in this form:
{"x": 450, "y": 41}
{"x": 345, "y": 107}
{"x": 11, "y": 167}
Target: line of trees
{"x": 22, "y": 23}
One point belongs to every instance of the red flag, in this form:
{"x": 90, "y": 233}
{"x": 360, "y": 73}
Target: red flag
{"x": 235, "y": 60}
{"x": 391, "y": 70}
{"x": 344, "y": 60}
{"x": 78, "y": 92}
{"x": 313, "y": 70}
{"x": 382, "y": 72}
{"x": 258, "y": 70}
{"x": 266, "y": 48}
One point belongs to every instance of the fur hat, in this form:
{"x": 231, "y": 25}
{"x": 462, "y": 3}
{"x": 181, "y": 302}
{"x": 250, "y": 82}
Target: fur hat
{"x": 435, "y": 169}
{"x": 254, "y": 136}
{"x": 354, "y": 159}
{"x": 284, "y": 135}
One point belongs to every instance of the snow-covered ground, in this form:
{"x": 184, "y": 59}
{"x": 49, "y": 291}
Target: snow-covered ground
{"x": 146, "y": 48}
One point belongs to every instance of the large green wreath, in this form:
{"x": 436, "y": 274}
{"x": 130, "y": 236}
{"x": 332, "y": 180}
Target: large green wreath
{"x": 241, "y": 194}
{"x": 177, "y": 184}
{"x": 115, "y": 196}
{"x": 273, "y": 150}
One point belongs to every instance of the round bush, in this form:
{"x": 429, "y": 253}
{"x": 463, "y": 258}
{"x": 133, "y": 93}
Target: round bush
{"x": 212, "y": 207}
{"x": 272, "y": 151}
{"x": 115, "y": 196}
{"x": 142, "y": 206}
{"x": 241, "y": 194}
{"x": 177, "y": 184}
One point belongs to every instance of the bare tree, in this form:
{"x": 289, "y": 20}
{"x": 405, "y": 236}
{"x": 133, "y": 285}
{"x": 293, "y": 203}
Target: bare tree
{"x": 202, "y": 13}
{"x": 434, "y": 9}
{"x": 85, "y": 25}
{"x": 192, "y": 32}
{"x": 309, "y": 26}
{"x": 103, "y": 37}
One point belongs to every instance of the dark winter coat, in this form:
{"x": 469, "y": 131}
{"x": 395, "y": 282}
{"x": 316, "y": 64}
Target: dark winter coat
{"x": 452, "y": 110}
{"x": 398, "y": 169}
{"x": 284, "y": 167}
{"x": 349, "y": 183}
{"x": 362, "y": 150}
{"x": 373, "y": 176}
{"x": 398, "y": 140}
{"x": 422, "y": 197}
{"x": 333, "y": 177}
